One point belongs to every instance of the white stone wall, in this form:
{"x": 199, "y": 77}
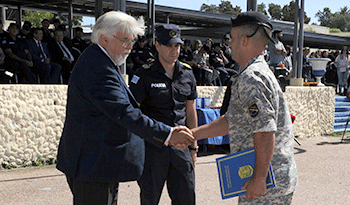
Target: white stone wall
{"x": 32, "y": 117}
{"x": 314, "y": 110}
{"x": 215, "y": 93}
{"x": 31, "y": 122}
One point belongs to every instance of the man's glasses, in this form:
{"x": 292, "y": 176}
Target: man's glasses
{"x": 126, "y": 43}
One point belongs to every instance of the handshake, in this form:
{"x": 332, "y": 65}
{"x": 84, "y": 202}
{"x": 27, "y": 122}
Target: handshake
{"x": 181, "y": 137}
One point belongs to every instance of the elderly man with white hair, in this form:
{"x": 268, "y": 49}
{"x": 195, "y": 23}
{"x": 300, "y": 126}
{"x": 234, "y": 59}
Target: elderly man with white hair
{"x": 102, "y": 142}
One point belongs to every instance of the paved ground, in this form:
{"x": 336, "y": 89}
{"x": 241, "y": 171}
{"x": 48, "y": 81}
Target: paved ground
{"x": 323, "y": 166}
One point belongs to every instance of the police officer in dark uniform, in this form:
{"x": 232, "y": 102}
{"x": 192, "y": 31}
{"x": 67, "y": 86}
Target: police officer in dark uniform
{"x": 18, "y": 59}
{"x": 24, "y": 33}
{"x": 78, "y": 42}
{"x": 166, "y": 90}
{"x": 140, "y": 54}
{"x": 3, "y": 33}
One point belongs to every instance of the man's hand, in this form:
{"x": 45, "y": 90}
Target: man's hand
{"x": 255, "y": 187}
{"x": 181, "y": 137}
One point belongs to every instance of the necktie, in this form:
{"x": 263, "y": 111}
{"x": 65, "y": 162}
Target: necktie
{"x": 119, "y": 70}
{"x": 41, "y": 49}
{"x": 65, "y": 51}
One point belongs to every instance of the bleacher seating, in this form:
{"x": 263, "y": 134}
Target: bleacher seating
{"x": 341, "y": 114}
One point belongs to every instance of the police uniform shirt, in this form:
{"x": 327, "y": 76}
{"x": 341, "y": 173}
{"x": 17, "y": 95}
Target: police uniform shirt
{"x": 185, "y": 55}
{"x": 144, "y": 54}
{"x": 257, "y": 104}
{"x": 22, "y": 37}
{"x": 3, "y": 38}
{"x": 17, "y": 47}
{"x": 162, "y": 98}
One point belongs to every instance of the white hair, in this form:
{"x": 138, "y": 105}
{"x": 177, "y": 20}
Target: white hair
{"x": 113, "y": 21}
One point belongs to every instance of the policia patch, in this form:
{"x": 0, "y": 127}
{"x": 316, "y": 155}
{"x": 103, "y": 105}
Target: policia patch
{"x": 253, "y": 110}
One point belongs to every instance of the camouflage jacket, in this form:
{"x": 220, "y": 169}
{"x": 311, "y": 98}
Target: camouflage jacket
{"x": 257, "y": 104}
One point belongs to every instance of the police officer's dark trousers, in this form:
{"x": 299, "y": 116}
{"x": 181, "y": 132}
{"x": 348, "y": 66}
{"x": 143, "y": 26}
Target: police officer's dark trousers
{"x": 172, "y": 165}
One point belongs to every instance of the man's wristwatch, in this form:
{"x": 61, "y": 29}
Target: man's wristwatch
{"x": 193, "y": 148}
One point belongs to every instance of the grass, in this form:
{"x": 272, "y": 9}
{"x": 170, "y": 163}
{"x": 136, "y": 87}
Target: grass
{"x": 338, "y": 133}
{"x": 38, "y": 163}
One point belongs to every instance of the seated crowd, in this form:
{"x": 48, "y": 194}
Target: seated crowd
{"x": 47, "y": 56}
{"x": 211, "y": 62}
{"x": 38, "y": 55}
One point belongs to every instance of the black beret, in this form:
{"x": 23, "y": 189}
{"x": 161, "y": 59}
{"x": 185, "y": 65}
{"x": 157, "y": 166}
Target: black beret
{"x": 251, "y": 17}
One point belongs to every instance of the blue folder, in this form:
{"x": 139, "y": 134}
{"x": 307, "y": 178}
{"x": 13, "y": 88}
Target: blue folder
{"x": 235, "y": 169}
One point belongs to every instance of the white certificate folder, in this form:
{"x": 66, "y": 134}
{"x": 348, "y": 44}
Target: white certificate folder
{"x": 235, "y": 169}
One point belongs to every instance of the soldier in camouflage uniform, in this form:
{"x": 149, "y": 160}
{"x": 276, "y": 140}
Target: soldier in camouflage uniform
{"x": 257, "y": 115}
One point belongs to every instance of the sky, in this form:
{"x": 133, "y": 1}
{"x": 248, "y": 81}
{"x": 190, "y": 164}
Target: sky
{"x": 311, "y": 6}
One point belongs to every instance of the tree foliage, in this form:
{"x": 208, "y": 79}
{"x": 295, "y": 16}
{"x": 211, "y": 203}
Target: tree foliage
{"x": 325, "y": 16}
{"x": 287, "y": 13}
{"x": 35, "y": 17}
{"x": 262, "y": 8}
{"x": 209, "y": 8}
{"x": 339, "y": 20}
{"x": 76, "y": 21}
{"x": 225, "y": 7}
{"x": 275, "y": 11}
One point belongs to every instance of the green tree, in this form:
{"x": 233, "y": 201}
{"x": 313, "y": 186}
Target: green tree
{"x": 341, "y": 19}
{"x": 225, "y": 7}
{"x": 35, "y": 17}
{"x": 209, "y": 8}
{"x": 275, "y": 11}
{"x": 325, "y": 17}
{"x": 288, "y": 12}
{"x": 262, "y": 8}
{"x": 76, "y": 21}
{"x": 338, "y": 20}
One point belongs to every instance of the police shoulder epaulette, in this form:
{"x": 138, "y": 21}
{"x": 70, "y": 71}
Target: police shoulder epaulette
{"x": 186, "y": 65}
{"x": 147, "y": 65}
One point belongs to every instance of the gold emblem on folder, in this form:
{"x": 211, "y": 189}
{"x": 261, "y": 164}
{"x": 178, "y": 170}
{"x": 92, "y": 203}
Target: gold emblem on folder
{"x": 245, "y": 171}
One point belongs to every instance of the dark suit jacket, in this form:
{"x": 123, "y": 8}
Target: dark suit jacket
{"x": 100, "y": 140}
{"x": 35, "y": 51}
{"x": 57, "y": 53}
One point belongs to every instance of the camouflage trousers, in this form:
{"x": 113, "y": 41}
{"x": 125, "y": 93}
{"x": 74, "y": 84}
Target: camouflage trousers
{"x": 267, "y": 200}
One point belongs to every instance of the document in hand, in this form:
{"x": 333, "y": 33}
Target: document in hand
{"x": 235, "y": 169}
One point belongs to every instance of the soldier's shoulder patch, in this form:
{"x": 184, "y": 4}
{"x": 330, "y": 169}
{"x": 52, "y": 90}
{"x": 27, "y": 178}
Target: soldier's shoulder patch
{"x": 253, "y": 109}
{"x": 186, "y": 65}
